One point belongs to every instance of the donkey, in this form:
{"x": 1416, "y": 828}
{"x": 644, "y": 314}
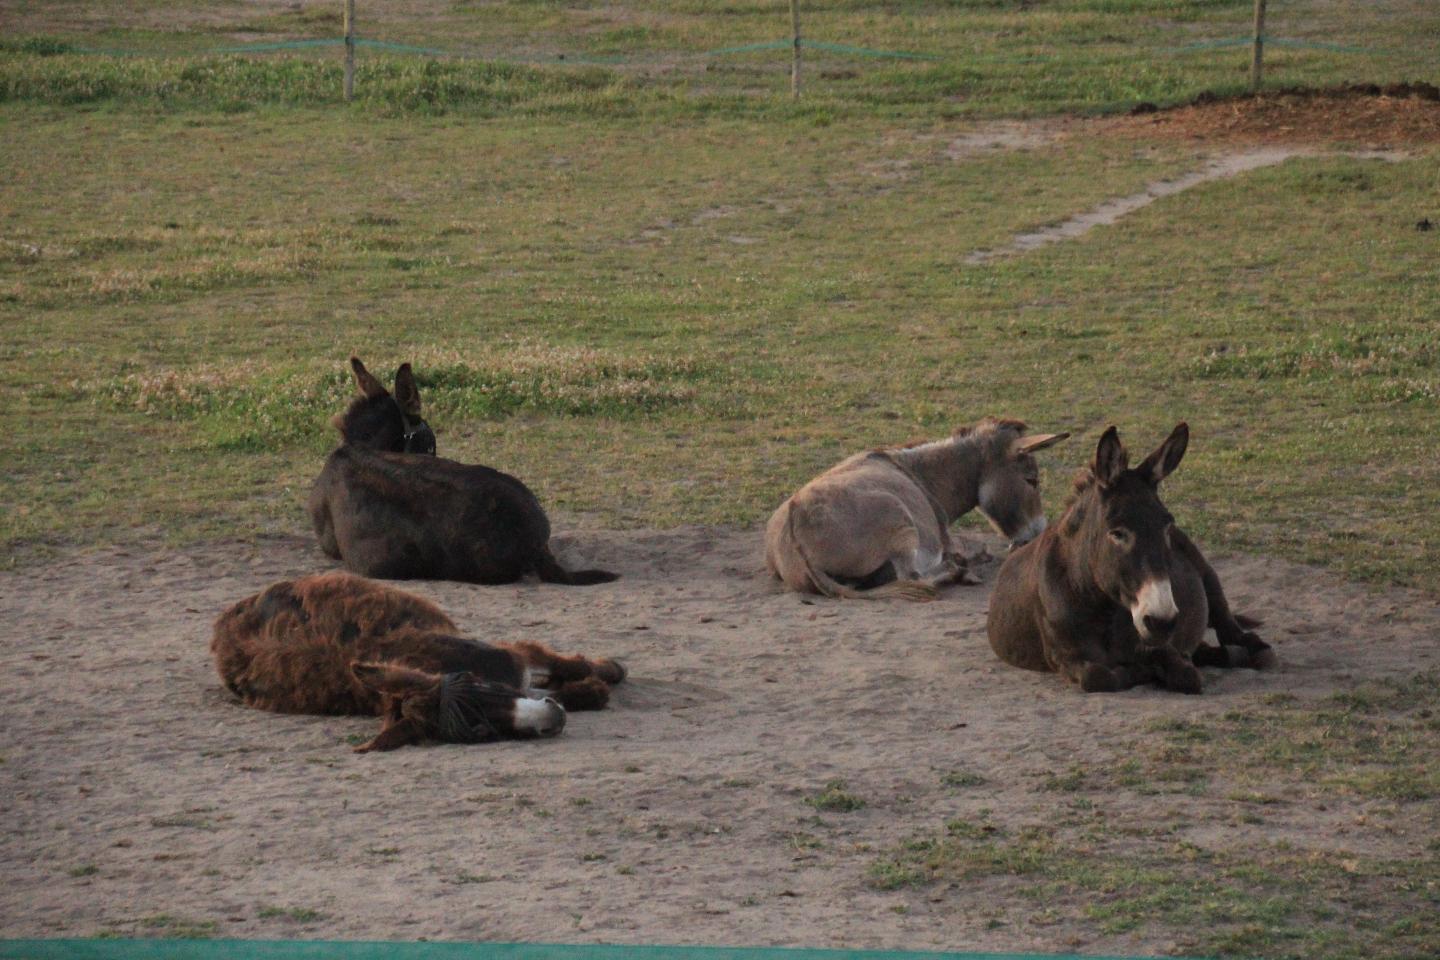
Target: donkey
{"x": 386, "y": 507}
{"x": 1114, "y": 594}
{"x": 338, "y": 644}
{"x": 877, "y": 524}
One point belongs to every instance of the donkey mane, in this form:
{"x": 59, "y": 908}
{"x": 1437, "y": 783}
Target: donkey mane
{"x": 975, "y": 434}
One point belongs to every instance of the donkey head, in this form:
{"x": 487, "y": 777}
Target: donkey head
{"x": 453, "y": 707}
{"x": 1009, "y": 491}
{"x": 1126, "y": 532}
{"x": 380, "y": 421}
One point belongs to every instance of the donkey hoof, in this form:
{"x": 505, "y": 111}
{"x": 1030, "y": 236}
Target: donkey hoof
{"x": 611, "y": 671}
{"x": 1099, "y": 679}
{"x": 1184, "y": 680}
{"x": 1264, "y": 659}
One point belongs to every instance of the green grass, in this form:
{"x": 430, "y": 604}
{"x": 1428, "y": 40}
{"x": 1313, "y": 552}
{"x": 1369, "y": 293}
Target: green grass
{"x": 665, "y": 323}
{"x": 835, "y": 798}
{"x": 169, "y": 927}
{"x": 1129, "y": 854}
{"x": 980, "y": 58}
{"x": 298, "y": 914}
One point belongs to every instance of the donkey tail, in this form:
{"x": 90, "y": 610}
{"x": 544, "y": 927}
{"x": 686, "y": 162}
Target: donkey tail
{"x": 548, "y": 569}
{"x": 827, "y": 586}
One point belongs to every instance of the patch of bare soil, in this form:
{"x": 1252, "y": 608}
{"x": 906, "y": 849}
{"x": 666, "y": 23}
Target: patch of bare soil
{"x": 1398, "y": 115}
{"x": 141, "y": 799}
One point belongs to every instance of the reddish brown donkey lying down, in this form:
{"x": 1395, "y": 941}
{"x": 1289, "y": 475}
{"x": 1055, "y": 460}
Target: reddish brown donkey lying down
{"x": 340, "y": 644}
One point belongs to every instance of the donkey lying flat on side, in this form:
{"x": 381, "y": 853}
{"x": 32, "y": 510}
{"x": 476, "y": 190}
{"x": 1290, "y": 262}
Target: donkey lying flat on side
{"x": 337, "y": 644}
{"x": 386, "y": 507}
{"x": 1114, "y": 594}
{"x": 878, "y": 524}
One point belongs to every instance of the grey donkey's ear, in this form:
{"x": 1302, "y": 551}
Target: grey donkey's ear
{"x": 1038, "y": 442}
{"x": 407, "y": 394}
{"x": 366, "y": 383}
{"x": 1110, "y": 458}
{"x": 1167, "y": 456}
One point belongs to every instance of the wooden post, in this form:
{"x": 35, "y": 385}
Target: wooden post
{"x": 349, "y": 50}
{"x": 1258, "y": 51}
{"x": 795, "y": 56}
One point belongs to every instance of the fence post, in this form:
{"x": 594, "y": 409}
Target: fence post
{"x": 349, "y": 50}
{"x": 1258, "y": 51}
{"x": 795, "y": 56}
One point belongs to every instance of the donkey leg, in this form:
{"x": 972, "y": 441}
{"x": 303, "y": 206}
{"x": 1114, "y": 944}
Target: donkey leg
{"x": 1208, "y": 656}
{"x": 930, "y": 568}
{"x": 394, "y": 736}
{"x": 1094, "y": 677}
{"x": 1174, "y": 671}
{"x": 1231, "y": 655}
{"x": 1243, "y": 648}
{"x": 592, "y": 693}
{"x": 558, "y": 669}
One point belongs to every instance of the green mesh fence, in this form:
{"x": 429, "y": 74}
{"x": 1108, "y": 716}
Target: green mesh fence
{"x": 808, "y": 46}
{"x": 390, "y": 950}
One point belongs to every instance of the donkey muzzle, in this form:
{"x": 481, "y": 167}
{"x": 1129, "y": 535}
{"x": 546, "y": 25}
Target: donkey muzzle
{"x": 1154, "y": 610}
{"x": 541, "y": 718}
{"x": 1033, "y": 530}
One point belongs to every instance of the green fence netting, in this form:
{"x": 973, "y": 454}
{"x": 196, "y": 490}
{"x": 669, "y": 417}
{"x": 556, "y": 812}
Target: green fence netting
{"x": 811, "y": 46}
{"x": 392, "y": 950}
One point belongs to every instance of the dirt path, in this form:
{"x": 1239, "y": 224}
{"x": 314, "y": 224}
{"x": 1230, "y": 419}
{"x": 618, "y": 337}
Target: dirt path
{"x": 141, "y": 800}
{"x": 1221, "y": 167}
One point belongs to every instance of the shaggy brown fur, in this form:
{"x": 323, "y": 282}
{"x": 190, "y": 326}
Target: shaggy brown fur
{"x": 339, "y": 644}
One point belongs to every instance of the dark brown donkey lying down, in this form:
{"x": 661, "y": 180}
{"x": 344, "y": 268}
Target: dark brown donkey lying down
{"x": 338, "y": 644}
{"x": 385, "y": 506}
{"x": 1114, "y": 593}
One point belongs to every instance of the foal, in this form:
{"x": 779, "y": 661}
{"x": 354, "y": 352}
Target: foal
{"x": 338, "y": 644}
{"x": 1114, "y": 594}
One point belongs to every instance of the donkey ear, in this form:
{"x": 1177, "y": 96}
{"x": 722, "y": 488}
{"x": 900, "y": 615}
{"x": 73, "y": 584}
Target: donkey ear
{"x": 367, "y": 384}
{"x": 407, "y": 394}
{"x": 1110, "y": 458}
{"x": 1166, "y": 457}
{"x": 392, "y": 680}
{"x": 1038, "y": 442}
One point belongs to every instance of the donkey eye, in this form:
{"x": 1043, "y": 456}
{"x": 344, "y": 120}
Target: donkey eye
{"x": 1120, "y": 535}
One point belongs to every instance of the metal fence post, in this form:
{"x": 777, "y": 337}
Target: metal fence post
{"x": 349, "y": 50}
{"x": 1258, "y": 51}
{"x": 795, "y": 56}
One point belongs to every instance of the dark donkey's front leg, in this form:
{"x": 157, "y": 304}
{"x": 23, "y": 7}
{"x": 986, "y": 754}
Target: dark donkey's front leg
{"x": 396, "y": 730}
{"x": 1174, "y": 670}
{"x": 1238, "y": 647}
{"x": 576, "y": 682}
{"x": 1085, "y": 664}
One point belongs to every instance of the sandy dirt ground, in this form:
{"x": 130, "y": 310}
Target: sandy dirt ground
{"x": 141, "y": 800}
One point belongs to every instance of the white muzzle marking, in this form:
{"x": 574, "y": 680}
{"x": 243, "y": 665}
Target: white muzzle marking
{"x": 1155, "y": 599}
{"x": 1036, "y": 527}
{"x": 538, "y": 716}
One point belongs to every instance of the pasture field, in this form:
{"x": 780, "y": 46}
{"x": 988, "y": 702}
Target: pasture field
{"x": 679, "y": 322}
{"x": 665, "y": 295}
{"x": 972, "y": 57}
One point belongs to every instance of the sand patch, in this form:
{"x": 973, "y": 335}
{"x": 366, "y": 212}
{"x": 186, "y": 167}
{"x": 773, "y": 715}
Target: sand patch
{"x": 136, "y": 789}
